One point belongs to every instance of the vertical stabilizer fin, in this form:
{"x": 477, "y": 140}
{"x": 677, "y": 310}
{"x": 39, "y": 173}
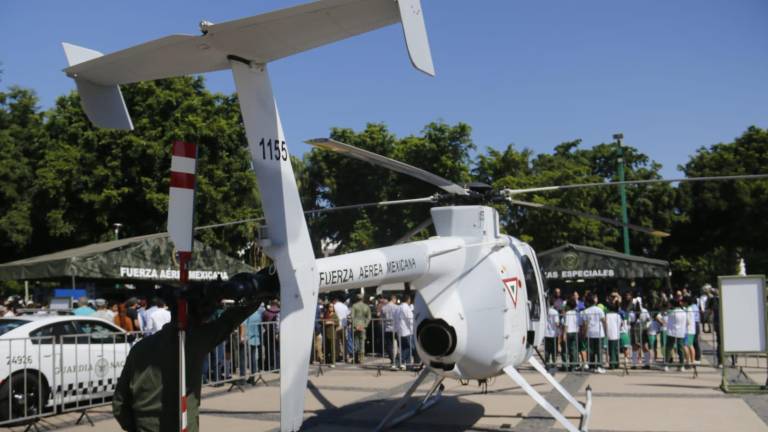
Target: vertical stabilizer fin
{"x": 288, "y": 242}
{"x": 103, "y": 104}
{"x": 415, "y": 31}
{"x": 77, "y": 54}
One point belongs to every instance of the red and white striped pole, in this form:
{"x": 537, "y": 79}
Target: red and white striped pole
{"x": 181, "y": 212}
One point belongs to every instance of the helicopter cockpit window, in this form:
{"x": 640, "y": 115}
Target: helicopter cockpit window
{"x": 531, "y": 288}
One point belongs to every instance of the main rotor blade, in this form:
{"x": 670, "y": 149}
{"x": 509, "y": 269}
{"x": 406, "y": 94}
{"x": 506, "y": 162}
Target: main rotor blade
{"x": 429, "y": 199}
{"x": 510, "y": 192}
{"x": 383, "y": 161}
{"x": 413, "y": 231}
{"x": 651, "y": 231}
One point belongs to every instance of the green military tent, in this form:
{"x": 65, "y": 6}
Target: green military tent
{"x": 150, "y": 258}
{"x": 575, "y": 262}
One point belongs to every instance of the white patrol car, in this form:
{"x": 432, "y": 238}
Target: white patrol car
{"x": 54, "y": 362}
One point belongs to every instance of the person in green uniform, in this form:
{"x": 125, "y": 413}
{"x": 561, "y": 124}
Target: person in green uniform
{"x": 361, "y": 317}
{"x": 331, "y": 325}
{"x": 146, "y": 397}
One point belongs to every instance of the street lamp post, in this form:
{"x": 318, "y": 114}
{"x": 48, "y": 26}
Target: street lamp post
{"x": 117, "y": 226}
{"x": 622, "y": 191}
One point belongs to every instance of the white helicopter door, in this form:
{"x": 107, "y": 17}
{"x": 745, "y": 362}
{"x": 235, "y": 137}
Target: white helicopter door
{"x": 535, "y": 298}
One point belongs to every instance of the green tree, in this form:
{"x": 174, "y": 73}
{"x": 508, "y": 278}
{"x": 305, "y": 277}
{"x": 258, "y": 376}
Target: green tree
{"x": 569, "y": 164}
{"x": 90, "y": 178}
{"x": 723, "y": 221}
{"x": 22, "y": 138}
{"x": 336, "y": 180}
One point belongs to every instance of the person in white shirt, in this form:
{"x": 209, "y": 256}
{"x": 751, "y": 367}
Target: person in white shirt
{"x": 594, "y": 323}
{"x": 640, "y": 319}
{"x": 572, "y": 324}
{"x": 388, "y": 312}
{"x": 654, "y": 329}
{"x": 157, "y": 317}
{"x": 102, "y": 311}
{"x": 664, "y": 330}
{"x": 690, "y": 330}
{"x": 612, "y": 327}
{"x": 551, "y": 335}
{"x": 697, "y": 316}
{"x": 404, "y": 330}
{"x": 676, "y": 330}
{"x": 345, "y": 339}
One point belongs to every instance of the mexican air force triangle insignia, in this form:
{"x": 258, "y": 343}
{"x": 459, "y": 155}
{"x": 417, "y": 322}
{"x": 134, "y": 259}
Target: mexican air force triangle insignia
{"x": 512, "y": 285}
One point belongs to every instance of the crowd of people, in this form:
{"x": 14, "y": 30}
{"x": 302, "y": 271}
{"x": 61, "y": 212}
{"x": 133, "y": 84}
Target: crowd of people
{"x": 582, "y": 331}
{"x": 383, "y": 325}
{"x": 589, "y": 333}
{"x": 346, "y": 330}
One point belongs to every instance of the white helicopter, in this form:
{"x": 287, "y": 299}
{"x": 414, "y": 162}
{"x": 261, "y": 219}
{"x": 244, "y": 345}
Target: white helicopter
{"x": 479, "y": 294}
{"x": 245, "y": 46}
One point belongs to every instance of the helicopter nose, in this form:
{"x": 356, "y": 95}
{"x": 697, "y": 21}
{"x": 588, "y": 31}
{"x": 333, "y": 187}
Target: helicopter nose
{"x": 436, "y": 337}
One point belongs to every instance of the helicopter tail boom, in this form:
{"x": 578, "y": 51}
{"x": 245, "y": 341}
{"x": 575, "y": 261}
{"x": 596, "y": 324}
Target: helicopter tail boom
{"x": 287, "y": 241}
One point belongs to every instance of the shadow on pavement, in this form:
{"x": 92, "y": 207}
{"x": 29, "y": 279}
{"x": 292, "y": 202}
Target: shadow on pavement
{"x": 448, "y": 414}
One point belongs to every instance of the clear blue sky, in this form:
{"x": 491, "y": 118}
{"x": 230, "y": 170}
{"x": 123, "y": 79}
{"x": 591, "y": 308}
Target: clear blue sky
{"x": 671, "y": 75}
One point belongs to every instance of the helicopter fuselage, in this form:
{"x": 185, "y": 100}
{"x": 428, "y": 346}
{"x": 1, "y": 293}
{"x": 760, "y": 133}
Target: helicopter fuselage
{"x": 478, "y": 293}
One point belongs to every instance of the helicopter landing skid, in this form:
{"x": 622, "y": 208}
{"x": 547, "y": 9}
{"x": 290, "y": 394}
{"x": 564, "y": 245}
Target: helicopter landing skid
{"x": 584, "y": 409}
{"x": 430, "y": 398}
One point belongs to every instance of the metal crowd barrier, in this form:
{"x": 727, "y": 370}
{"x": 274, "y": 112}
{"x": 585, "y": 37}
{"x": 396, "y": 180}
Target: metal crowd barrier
{"x": 244, "y": 356}
{"x": 25, "y": 395}
{"x": 77, "y": 372}
{"x": 64, "y": 373}
{"x": 637, "y": 344}
{"x": 84, "y": 367}
{"x": 89, "y": 366}
{"x": 376, "y": 345}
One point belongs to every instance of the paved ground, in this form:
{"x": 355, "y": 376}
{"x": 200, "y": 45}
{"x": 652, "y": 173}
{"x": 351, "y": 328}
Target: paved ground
{"x": 348, "y": 399}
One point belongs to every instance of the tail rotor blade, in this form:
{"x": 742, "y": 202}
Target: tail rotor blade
{"x": 181, "y": 202}
{"x": 181, "y": 216}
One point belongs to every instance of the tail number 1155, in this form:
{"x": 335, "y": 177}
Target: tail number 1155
{"x": 273, "y": 149}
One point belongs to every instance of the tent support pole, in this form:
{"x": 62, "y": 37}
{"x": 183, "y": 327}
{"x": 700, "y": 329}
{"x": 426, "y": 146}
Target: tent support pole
{"x": 26, "y": 292}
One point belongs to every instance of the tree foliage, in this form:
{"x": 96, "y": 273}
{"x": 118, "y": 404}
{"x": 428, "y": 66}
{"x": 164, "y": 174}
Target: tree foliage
{"x": 86, "y": 179}
{"x": 22, "y": 139}
{"x": 723, "y": 221}
{"x": 336, "y": 180}
{"x": 64, "y": 183}
{"x": 570, "y": 164}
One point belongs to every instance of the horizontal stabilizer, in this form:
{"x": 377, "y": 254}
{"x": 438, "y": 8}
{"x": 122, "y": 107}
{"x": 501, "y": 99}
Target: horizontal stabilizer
{"x": 257, "y": 39}
{"x": 103, "y": 104}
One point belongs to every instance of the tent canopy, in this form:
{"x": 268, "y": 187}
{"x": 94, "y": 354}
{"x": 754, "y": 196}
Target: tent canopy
{"x": 572, "y": 261}
{"x": 149, "y": 258}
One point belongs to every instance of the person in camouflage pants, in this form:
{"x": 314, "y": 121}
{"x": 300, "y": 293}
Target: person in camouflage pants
{"x": 361, "y": 317}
